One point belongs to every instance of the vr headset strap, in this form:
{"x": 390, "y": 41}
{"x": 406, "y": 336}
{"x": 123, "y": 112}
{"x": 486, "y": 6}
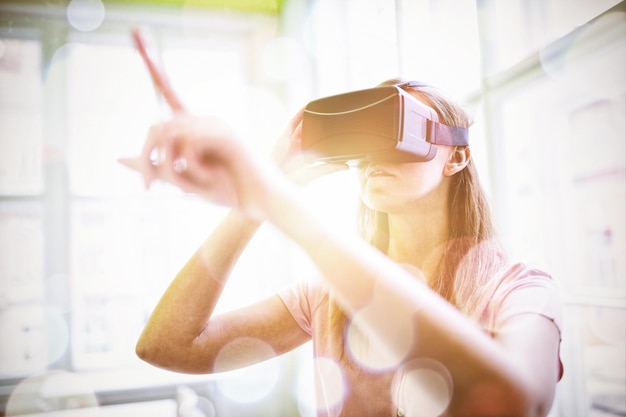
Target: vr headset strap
{"x": 444, "y": 134}
{"x": 450, "y": 135}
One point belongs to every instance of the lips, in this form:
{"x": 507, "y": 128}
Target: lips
{"x": 376, "y": 171}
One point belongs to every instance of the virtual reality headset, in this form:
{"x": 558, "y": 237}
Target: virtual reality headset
{"x": 380, "y": 124}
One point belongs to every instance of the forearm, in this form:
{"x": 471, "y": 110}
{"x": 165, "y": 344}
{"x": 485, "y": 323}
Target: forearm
{"x": 186, "y": 306}
{"x": 391, "y": 307}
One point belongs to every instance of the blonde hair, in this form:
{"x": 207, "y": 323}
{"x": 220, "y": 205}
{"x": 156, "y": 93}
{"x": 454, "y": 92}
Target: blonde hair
{"x": 472, "y": 255}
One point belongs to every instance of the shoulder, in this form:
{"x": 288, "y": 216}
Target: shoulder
{"x": 313, "y": 290}
{"x": 519, "y": 275}
{"x": 518, "y": 279}
{"x": 519, "y": 289}
{"x": 303, "y": 299}
{"x": 522, "y": 291}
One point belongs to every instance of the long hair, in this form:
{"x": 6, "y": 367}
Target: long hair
{"x": 471, "y": 256}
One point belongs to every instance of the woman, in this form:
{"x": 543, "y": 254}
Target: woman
{"x": 424, "y": 316}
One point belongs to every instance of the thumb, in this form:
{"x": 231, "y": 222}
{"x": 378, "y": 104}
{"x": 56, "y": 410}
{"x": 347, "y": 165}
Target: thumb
{"x": 138, "y": 164}
{"x": 132, "y": 163}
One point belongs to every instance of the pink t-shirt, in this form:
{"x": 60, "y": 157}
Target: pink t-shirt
{"x": 340, "y": 388}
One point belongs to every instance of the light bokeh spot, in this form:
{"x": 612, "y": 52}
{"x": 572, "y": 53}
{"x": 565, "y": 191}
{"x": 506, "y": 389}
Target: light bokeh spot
{"x": 33, "y": 336}
{"x": 330, "y": 386}
{"x": 379, "y": 337}
{"x": 258, "y": 375}
{"x": 57, "y": 334}
{"x": 376, "y": 356}
{"x": 423, "y": 388}
{"x": 304, "y": 389}
{"x": 51, "y": 391}
{"x": 85, "y": 15}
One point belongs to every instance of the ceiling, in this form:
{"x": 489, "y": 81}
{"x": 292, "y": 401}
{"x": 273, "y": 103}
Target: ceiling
{"x": 256, "y": 6}
{"x": 249, "y": 6}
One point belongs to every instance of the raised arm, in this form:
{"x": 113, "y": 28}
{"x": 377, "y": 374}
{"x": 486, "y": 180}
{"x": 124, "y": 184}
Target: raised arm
{"x": 513, "y": 374}
{"x": 182, "y": 334}
{"x": 390, "y": 304}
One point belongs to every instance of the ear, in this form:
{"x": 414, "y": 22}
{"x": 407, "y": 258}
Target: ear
{"x": 458, "y": 159}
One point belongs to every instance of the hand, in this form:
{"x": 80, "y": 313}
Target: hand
{"x": 298, "y": 166}
{"x": 197, "y": 155}
{"x": 204, "y": 156}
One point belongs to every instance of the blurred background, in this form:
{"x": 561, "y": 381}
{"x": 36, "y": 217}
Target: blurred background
{"x": 86, "y": 251}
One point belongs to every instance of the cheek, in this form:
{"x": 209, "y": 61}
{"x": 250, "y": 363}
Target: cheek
{"x": 418, "y": 180}
{"x": 426, "y": 181}
{"x": 412, "y": 182}
{"x": 386, "y": 195}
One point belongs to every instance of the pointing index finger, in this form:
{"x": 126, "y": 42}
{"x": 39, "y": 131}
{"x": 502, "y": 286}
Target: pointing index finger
{"x": 159, "y": 78}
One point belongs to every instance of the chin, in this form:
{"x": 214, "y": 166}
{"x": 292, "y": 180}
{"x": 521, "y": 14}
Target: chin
{"x": 382, "y": 204}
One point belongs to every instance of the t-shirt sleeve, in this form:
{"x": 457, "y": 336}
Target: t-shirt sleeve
{"x": 533, "y": 292}
{"x": 528, "y": 292}
{"x": 302, "y": 299}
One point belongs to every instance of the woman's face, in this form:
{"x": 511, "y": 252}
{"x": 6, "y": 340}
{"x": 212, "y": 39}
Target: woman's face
{"x": 393, "y": 187}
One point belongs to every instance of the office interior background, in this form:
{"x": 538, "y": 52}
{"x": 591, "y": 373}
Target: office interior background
{"x": 86, "y": 250}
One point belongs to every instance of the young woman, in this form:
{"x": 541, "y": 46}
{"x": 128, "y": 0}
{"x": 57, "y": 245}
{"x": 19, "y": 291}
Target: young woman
{"x": 421, "y": 315}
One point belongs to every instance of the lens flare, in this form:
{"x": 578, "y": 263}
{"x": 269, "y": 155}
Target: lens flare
{"x": 330, "y": 386}
{"x": 376, "y": 356}
{"x": 57, "y": 333}
{"x": 52, "y": 391}
{"x": 251, "y": 383}
{"x": 57, "y": 67}
{"x": 22, "y": 350}
{"x": 379, "y": 337}
{"x": 36, "y": 336}
{"x": 85, "y": 15}
{"x": 305, "y": 390}
{"x": 422, "y": 388}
